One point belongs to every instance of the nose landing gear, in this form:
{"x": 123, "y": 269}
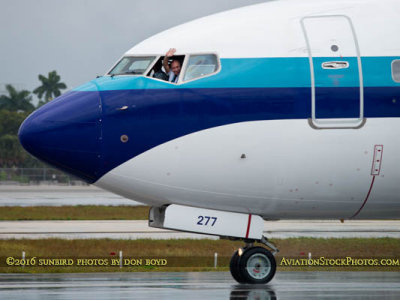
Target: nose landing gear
{"x": 254, "y": 265}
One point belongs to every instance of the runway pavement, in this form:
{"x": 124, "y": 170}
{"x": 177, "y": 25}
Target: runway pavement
{"x": 56, "y": 195}
{"x": 216, "y": 285}
{"x": 140, "y": 229}
{"x": 81, "y": 195}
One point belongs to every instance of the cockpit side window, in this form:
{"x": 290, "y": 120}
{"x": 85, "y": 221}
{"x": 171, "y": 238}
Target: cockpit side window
{"x": 396, "y": 70}
{"x": 158, "y": 71}
{"x": 200, "y": 65}
{"x": 131, "y": 65}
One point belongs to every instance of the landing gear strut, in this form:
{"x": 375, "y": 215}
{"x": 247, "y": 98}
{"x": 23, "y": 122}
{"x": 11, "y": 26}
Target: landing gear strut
{"x": 254, "y": 265}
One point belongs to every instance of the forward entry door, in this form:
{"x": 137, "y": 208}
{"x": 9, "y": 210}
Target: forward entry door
{"x": 336, "y": 73}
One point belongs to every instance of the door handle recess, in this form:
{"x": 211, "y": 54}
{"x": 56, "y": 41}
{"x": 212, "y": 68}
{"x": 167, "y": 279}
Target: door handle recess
{"x": 335, "y": 65}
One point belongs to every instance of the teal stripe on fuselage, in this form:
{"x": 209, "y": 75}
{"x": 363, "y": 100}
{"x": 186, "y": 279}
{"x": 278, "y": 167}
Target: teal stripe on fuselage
{"x": 377, "y": 71}
{"x": 346, "y": 77}
{"x": 267, "y": 72}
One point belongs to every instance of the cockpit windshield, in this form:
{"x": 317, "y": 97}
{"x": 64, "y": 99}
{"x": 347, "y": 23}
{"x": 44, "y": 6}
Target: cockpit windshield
{"x": 130, "y": 65}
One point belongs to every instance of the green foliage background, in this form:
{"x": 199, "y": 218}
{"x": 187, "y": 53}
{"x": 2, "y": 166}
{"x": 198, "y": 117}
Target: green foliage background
{"x": 14, "y": 109}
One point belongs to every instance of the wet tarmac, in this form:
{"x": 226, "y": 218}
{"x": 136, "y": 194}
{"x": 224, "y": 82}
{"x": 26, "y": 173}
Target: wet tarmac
{"x": 112, "y": 229}
{"x": 206, "y": 285}
{"x": 136, "y": 229}
{"x": 54, "y": 195}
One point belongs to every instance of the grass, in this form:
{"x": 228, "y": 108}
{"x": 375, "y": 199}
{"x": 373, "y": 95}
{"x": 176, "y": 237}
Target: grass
{"x": 188, "y": 255}
{"x": 79, "y": 212}
{"x": 181, "y": 255}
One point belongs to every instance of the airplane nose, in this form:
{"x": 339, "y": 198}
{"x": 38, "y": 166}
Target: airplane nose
{"x": 66, "y": 133}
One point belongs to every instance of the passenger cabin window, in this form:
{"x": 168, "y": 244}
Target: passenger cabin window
{"x": 200, "y": 65}
{"x": 130, "y": 65}
{"x": 396, "y": 70}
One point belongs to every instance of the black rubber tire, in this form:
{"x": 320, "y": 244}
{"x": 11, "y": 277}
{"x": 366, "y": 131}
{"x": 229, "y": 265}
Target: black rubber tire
{"x": 264, "y": 255}
{"x": 234, "y": 268}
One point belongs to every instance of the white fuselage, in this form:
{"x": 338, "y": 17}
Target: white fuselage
{"x": 303, "y": 165}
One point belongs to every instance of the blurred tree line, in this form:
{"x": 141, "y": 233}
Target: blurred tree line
{"x": 14, "y": 108}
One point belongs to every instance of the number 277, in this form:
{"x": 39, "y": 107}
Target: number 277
{"x": 204, "y": 220}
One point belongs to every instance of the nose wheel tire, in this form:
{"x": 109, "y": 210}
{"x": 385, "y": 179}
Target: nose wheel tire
{"x": 234, "y": 268}
{"x": 256, "y": 265}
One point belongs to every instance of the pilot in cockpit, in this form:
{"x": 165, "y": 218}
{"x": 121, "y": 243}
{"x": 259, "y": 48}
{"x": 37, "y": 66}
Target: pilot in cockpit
{"x": 174, "y": 69}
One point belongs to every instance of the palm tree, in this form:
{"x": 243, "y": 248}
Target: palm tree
{"x": 50, "y": 87}
{"x": 16, "y": 100}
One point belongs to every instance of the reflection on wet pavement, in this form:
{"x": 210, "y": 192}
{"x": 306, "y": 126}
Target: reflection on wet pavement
{"x": 206, "y": 285}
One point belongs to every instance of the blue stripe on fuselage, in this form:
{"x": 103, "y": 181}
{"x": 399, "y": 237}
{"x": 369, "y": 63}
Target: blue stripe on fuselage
{"x": 244, "y": 90}
{"x": 265, "y": 72}
{"x": 157, "y": 116}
